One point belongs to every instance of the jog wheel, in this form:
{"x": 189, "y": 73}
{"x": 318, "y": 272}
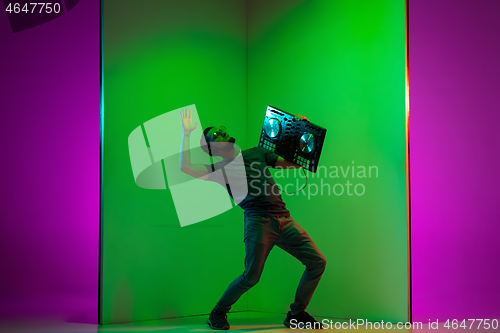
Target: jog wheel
{"x": 307, "y": 143}
{"x": 272, "y": 127}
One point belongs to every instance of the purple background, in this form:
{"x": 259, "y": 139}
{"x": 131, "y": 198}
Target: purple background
{"x": 50, "y": 163}
{"x": 454, "y": 110}
{"x": 49, "y": 228}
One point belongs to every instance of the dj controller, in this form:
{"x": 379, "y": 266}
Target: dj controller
{"x": 299, "y": 142}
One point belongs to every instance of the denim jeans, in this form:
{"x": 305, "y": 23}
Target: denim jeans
{"x": 261, "y": 234}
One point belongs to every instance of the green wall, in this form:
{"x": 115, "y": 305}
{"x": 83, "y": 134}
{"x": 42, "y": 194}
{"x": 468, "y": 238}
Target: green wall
{"x": 160, "y": 57}
{"x": 337, "y": 62}
{"x": 342, "y": 64}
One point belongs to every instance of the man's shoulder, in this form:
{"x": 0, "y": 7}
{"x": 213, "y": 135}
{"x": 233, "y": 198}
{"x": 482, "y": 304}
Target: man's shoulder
{"x": 253, "y": 148}
{"x": 254, "y": 152}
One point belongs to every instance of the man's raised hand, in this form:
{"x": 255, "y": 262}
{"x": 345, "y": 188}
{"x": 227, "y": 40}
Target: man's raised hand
{"x": 187, "y": 121}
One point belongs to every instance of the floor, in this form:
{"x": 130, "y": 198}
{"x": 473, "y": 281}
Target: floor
{"x": 240, "y": 322}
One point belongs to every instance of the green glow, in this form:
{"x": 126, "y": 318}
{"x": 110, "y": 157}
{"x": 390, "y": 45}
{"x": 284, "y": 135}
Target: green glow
{"x": 342, "y": 64}
{"x": 339, "y": 63}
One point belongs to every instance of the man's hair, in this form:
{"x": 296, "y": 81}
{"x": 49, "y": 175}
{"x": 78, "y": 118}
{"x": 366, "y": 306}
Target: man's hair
{"x": 205, "y": 141}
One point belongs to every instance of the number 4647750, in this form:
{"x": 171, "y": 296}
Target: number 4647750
{"x": 34, "y": 7}
{"x": 479, "y": 324}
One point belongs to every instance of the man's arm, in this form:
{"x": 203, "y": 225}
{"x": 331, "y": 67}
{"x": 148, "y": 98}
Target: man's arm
{"x": 281, "y": 163}
{"x": 196, "y": 170}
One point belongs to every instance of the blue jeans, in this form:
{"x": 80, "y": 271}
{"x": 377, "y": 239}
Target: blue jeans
{"x": 261, "y": 234}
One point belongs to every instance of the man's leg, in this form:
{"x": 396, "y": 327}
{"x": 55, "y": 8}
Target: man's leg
{"x": 295, "y": 240}
{"x": 260, "y": 236}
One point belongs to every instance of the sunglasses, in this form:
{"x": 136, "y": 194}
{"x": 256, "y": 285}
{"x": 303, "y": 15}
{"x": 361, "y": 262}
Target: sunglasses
{"x": 220, "y": 132}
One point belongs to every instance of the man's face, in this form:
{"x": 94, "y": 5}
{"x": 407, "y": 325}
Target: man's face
{"x": 220, "y": 137}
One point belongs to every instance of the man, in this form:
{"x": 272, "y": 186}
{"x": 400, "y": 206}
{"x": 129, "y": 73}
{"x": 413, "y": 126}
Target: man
{"x": 267, "y": 220}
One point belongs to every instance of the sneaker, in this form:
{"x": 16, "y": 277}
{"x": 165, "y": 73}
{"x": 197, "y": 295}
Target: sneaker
{"x": 302, "y": 320}
{"x": 218, "y": 320}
